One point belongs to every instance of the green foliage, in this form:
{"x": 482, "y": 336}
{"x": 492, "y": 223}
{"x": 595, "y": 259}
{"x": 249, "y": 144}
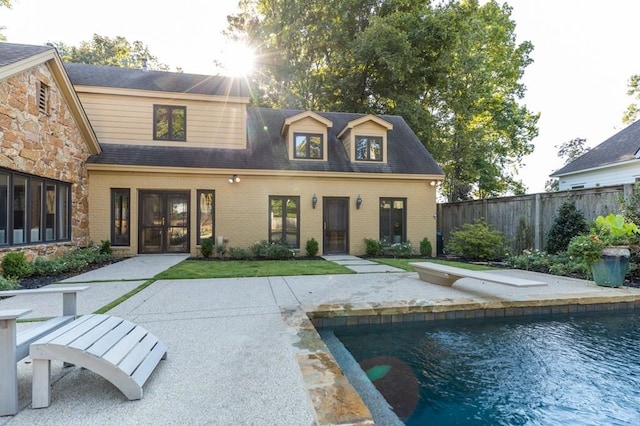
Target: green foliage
{"x": 614, "y": 229}
{"x": 271, "y": 251}
{"x": 425, "y": 247}
{"x": 372, "y": 247}
{"x": 70, "y": 261}
{"x": 633, "y": 89}
{"x": 206, "y": 247}
{"x": 117, "y": 51}
{"x": 312, "y": 247}
{"x": 15, "y": 265}
{"x": 398, "y": 249}
{"x": 572, "y": 149}
{"x": 630, "y": 206}
{"x": 524, "y": 236}
{"x": 8, "y": 283}
{"x": 540, "y": 261}
{"x": 239, "y": 253}
{"x": 568, "y": 223}
{"x": 105, "y": 247}
{"x": 477, "y": 241}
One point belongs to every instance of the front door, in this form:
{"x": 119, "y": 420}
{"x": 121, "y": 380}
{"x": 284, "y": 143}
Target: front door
{"x": 336, "y": 225}
{"x": 164, "y": 222}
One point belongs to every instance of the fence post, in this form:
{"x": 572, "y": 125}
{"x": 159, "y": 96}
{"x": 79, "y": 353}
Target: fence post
{"x": 538, "y": 222}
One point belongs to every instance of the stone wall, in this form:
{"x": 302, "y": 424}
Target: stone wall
{"x": 47, "y": 145}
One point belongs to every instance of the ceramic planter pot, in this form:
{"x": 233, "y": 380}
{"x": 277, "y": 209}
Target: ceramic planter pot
{"x": 612, "y": 268}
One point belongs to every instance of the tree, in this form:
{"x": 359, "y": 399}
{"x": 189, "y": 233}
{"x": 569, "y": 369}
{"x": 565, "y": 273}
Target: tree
{"x": 451, "y": 70}
{"x": 117, "y": 51}
{"x": 572, "y": 149}
{"x": 633, "y": 89}
{"x": 568, "y": 223}
{"x": 7, "y": 4}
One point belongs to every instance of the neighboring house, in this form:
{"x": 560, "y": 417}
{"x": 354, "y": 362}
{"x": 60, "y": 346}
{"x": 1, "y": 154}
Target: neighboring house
{"x": 183, "y": 157}
{"x": 45, "y": 141}
{"x": 615, "y": 161}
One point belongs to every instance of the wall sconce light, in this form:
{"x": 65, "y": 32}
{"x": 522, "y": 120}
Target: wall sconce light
{"x": 234, "y": 179}
{"x": 314, "y": 201}
{"x": 358, "y": 202}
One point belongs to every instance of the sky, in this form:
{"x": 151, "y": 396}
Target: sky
{"x": 584, "y": 53}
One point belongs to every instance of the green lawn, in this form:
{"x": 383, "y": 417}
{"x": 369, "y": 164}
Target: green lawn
{"x": 189, "y": 269}
{"x": 404, "y": 263}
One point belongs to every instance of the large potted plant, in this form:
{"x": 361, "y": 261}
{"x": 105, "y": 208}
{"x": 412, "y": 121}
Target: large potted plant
{"x": 605, "y": 250}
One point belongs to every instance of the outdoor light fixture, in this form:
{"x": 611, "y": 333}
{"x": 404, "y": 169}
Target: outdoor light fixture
{"x": 358, "y": 201}
{"x": 234, "y": 179}
{"x": 314, "y": 201}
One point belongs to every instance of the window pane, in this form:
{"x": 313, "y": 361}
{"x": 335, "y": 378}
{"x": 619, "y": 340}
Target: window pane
{"x": 392, "y": 220}
{"x": 361, "y": 148}
{"x": 276, "y": 221}
{"x": 291, "y": 228}
{"x": 162, "y": 123}
{"x": 19, "y": 209}
{"x": 375, "y": 149}
{"x": 4, "y": 208}
{"x": 205, "y": 215}
{"x": 50, "y": 213}
{"x": 120, "y": 220}
{"x": 177, "y": 124}
{"x": 301, "y": 146}
{"x": 64, "y": 201}
{"x": 307, "y": 146}
{"x": 315, "y": 147}
{"x": 368, "y": 148}
{"x": 35, "y": 211}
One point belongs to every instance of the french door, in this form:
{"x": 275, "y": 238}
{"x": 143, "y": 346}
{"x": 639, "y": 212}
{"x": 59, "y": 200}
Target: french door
{"x": 163, "y": 222}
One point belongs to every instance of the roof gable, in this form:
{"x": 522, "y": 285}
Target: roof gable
{"x": 361, "y": 120}
{"x": 303, "y": 115}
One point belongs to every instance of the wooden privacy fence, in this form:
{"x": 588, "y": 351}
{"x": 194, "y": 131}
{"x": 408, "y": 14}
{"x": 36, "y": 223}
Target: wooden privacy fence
{"x": 525, "y": 220}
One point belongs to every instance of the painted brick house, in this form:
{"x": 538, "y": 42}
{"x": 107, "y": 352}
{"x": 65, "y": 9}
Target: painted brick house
{"x": 172, "y": 158}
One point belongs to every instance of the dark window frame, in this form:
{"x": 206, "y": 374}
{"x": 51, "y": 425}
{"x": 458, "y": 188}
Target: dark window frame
{"x": 284, "y": 199}
{"x": 307, "y": 153}
{"x": 390, "y": 232}
{"x": 367, "y": 151}
{"x": 170, "y": 125}
{"x": 199, "y": 193}
{"x": 115, "y": 241}
{"x": 59, "y": 226}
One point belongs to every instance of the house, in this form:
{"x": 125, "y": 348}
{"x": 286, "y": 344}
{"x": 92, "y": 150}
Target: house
{"x": 615, "y": 161}
{"x": 183, "y": 157}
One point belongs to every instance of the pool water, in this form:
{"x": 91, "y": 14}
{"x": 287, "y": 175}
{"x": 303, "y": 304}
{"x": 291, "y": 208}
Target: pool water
{"x": 546, "y": 370}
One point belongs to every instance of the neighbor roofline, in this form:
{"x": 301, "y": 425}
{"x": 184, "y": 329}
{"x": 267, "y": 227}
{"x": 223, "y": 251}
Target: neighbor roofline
{"x": 591, "y": 169}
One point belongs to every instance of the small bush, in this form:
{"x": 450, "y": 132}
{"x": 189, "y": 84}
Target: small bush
{"x": 105, "y": 247}
{"x": 206, "y": 247}
{"x": 238, "y": 253}
{"x": 372, "y": 247}
{"x": 8, "y": 283}
{"x": 398, "y": 249}
{"x": 477, "y": 242}
{"x": 272, "y": 251}
{"x": 568, "y": 223}
{"x": 260, "y": 248}
{"x": 312, "y": 247}
{"x": 425, "y": 247}
{"x": 15, "y": 265}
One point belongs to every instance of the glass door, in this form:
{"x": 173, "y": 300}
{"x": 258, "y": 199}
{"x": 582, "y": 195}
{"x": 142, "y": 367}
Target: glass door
{"x": 336, "y": 225}
{"x": 164, "y": 222}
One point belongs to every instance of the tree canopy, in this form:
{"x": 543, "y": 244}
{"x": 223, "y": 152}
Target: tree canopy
{"x": 451, "y": 69}
{"x": 117, "y": 51}
{"x": 633, "y": 89}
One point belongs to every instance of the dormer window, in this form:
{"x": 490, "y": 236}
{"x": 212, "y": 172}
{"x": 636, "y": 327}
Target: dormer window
{"x": 368, "y": 148}
{"x": 169, "y": 123}
{"x": 308, "y": 145}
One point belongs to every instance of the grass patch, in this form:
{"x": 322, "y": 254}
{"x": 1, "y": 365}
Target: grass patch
{"x": 404, "y": 263}
{"x": 193, "y": 269}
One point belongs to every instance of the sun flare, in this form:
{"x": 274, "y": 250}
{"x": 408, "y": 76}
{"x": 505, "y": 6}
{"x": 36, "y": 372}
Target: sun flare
{"x": 237, "y": 59}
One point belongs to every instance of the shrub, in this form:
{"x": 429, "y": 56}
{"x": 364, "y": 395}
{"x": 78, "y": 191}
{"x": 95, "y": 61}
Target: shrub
{"x": 274, "y": 251}
{"x": 105, "y": 247}
{"x": 238, "y": 253}
{"x": 206, "y": 247}
{"x": 398, "y": 249}
{"x": 568, "y": 223}
{"x": 15, "y": 265}
{"x": 72, "y": 260}
{"x": 425, "y": 247}
{"x": 259, "y": 249}
{"x": 312, "y": 247}
{"x": 8, "y": 283}
{"x": 373, "y": 247}
{"x": 477, "y": 242}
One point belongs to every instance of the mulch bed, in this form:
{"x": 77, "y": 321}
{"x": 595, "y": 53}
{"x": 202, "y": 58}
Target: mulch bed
{"x": 40, "y": 281}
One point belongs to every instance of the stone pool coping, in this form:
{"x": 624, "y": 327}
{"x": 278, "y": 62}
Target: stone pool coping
{"x": 335, "y": 400}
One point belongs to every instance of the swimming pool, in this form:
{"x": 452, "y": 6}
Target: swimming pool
{"x": 579, "y": 369}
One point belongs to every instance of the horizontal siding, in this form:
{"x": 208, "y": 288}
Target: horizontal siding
{"x": 125, "y": 119}
{"x": 614, "y": 175}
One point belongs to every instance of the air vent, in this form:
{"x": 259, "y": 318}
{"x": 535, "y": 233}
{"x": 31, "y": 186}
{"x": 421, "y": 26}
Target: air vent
{"x": 43, "y": 98}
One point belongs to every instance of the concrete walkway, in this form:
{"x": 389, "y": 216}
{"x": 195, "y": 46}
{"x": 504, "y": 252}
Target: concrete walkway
{"x": 360, "y": 265}
{"x": 243, "y": 351}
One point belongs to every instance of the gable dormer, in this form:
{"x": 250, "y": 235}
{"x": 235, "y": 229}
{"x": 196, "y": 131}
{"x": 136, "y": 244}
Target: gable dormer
{"x": 365, "y": 139}
{"x": 306, "y": 134}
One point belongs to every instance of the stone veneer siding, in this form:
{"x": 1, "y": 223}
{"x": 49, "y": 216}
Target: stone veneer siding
{"x": 45, "y": 145}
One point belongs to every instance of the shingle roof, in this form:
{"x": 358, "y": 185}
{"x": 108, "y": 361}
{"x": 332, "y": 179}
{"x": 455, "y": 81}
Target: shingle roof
{"x": 129, "y": 78}
{"x": 13, "y": 52}
{"x": 620, "y": 147}
{"x": 267, "y": 149}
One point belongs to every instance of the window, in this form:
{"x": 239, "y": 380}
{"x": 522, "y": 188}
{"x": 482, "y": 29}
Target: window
{"x": 284, "y": 213}
{"x": 169, "y": 123}
{"x": 308, "y": 146}
{"x": 393, "y": 220}
{"x": 205, "y": 215}
{"x": 369, "y": 148}
{"x": 120, "y": 216}
{"x": 33, "y": 209}
{"x": 43, "y": 97}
